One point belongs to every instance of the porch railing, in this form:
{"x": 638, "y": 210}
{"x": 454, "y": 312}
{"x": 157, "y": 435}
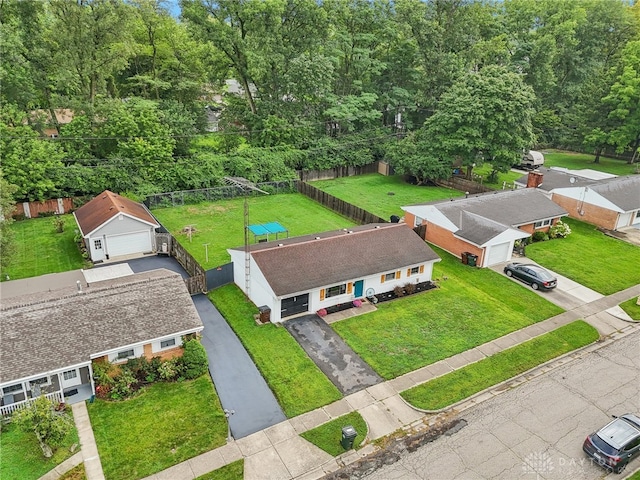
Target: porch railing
{"x": 7, "y": 410}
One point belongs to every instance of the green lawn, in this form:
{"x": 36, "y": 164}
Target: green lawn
{"x": 587, "y": 256}
{"x": 167, "y": 424}
{"x": 328, "y": 435}
{"x": 632, "y": 308}
{"x": 296, "y": 381}
{"x": 21, "y": 457}
{"x": 221, "y": 224}
{"x": 471, "y": 306}
{"x": 382, "y": 195}
{"x": 578, "y": 161}
{"x": 40, "y": 250}
{"x": 508, "y": 177}
{"x": 460, "y": 384}
{"x": 233, "y": 471}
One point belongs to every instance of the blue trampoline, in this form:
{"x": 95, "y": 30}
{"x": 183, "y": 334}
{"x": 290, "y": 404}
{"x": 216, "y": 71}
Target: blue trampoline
{"x": 266, "y": 229}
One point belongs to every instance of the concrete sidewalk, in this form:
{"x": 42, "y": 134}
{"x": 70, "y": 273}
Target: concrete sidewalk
{"x": 280, "y": 453}
{"x": 89, "y": 449}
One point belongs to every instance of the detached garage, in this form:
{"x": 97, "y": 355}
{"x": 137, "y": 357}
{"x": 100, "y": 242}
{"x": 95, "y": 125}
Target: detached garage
{"x": 114, "y": 226}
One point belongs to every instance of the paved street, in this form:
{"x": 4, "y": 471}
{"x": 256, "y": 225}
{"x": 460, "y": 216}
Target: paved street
{"x": 535, "y": 431}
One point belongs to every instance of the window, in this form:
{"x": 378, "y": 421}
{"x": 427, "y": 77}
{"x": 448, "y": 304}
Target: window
{"x": 415, "y": 271}
{"x": 336, "y": 290}
{"x": 40, "y": 381}
{"x": 418, "y": 221}
{"x": 69, "y": 375}
{"x": 390, "y": 276}
{"x": 542, "y": 223}
{"x": 168, "y": 343}
{"x": 12, "y": 388}
{"x": 97, "y": 244}
{"x": 123, "y": 355}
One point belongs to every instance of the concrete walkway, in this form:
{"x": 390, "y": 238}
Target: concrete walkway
{"x": 89, "y": 449}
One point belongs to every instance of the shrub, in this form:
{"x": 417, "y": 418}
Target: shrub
{"x": 194, "y": 360}
{"x": 322, "y": 312}
{"x": 43, "y": 418}
{"x": 410, "y": 288}
{"x": 168, "y": 370}
{"x": 58, "y": 224}
{"x": 143, "y": 369}
{"x": 540, "y": 236}
{"x": 399, "y": 291}
{"x": 559, "y": 230}
{"x": 123, "y": 385}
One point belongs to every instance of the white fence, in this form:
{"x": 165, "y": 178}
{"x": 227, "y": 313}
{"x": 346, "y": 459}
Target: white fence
{"x": 7, "y": 410}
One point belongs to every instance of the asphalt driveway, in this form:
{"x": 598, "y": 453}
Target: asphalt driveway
{"x": 331, "y": 354}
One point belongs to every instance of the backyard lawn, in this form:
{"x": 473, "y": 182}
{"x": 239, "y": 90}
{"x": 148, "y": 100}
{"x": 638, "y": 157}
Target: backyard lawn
{"x": 22, "y": 457}
{"x": 221, "y": 224}
{"x": 165, "y": 425}
{"x": 473, "y": 378}
{"x": 40, "y": 250}
{"x": 471, "y": 306}
{"x": 382, "y": 195}
{"x": 506, "y": 179}
{"x": 578, "y": 161}
{"x": 296, "y": 381}
{"x": 591, "y": 258}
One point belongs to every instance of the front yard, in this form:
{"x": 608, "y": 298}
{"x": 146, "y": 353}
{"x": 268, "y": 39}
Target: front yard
{"x": 471, "y": 306}
{"x": 164, "y": 425}
{"x": 21, "y": 457}
{"x": 39, "y": 249}
{"x": 591, "y": 258}
{"x": 221, "y": 224}
{"x": 296, "y": 381}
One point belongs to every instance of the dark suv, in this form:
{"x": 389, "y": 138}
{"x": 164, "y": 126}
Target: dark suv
{"x": 615, "y": 444}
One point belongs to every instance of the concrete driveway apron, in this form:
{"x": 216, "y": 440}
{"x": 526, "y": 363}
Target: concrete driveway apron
{"x": 333, "y": 356}
{"x": 238, "y": 382}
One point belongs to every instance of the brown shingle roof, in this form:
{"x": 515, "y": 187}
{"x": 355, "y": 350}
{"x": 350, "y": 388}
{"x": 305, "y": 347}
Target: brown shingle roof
{"x": 107, "y": 205}
{"x": 305, "y": 263}
{"x": 63, "y": 328}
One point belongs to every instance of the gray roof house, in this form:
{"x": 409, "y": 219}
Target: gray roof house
{"x": 612, "y": 203}
{"x": 50, "y": 341}
{"x": 547, "y": 179}
{"x": 485, "y": 225}
{"x": 308, "y": 273}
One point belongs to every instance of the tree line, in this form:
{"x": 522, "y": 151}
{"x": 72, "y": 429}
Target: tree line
{"x": 318, "y": 84}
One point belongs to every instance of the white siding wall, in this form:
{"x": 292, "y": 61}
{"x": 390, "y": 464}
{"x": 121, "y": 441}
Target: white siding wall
{"x": 138, "y": 351}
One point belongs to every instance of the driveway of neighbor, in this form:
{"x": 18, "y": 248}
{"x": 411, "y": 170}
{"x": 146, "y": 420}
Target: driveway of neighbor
{"x": 238, "y": 382}
{"x": 331, "y": 354}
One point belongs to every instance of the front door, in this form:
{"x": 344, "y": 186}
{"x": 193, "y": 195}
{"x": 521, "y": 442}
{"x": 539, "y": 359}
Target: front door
{"x": 357, "y": 291}
{"x": 70, "y": 378}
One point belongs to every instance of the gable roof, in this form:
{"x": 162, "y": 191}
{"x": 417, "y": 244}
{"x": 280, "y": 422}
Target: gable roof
{"x": 623, "y": 192}
{"x": 479, "y": 230}
{"x": 106, "y": 206}
{"x": 511, "y": 208}
{"x": 313, "y": 261}
{"x": 63, "y": 327}
{"x": 557, "y": 177}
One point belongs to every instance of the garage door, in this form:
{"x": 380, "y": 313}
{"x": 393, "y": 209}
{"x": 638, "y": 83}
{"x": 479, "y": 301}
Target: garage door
{"x": 624, "y": 220}
{"x": 498, "y": 253}
{"x": 292, "y": 305}
{"x": 128, "y": 244}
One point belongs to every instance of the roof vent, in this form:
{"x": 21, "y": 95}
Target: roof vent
{"x": 377, "y": 226}
{"x": 350, "y": 231}
{"x": 281, "y": 244}
{"x": 317, "y": 238}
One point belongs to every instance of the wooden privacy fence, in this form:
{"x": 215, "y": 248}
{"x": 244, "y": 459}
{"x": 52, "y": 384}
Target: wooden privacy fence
{"x": 463, "y": 185}
{"x": 50, "y": 207}
{"x": 346, "y": 209}
{"x": 337, "y": 172}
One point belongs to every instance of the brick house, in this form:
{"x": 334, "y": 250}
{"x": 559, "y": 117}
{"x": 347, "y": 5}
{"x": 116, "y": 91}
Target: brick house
{"x": 485, "y": 225}
{"x": 305, "y": 274}
{"x": 50, "y": 342}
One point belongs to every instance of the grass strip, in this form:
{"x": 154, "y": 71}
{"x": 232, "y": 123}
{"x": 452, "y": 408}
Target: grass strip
{"x": 233, "y": 471}
{"x": 166, "y": 424}
{"x": 328, "y": 435}
{"x": 295, "y": 380}
{"x": 460, "y": 384}
{"x": 632, "y": 308}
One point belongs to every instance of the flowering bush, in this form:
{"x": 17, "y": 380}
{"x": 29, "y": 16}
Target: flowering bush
{"x": 559, "y": 230}
{"x": 357, "y": 303}
{"x": 322, "y": 312}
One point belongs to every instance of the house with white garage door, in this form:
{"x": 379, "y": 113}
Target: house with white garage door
{"x": 612, "y": 203}
{"x": 484, "y": 225}
{"x": 306, "y": 274}
{"x": 113, "y": 226}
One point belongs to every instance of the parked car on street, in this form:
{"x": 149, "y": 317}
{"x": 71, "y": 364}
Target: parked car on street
{"x": 615, "y": 444}
{"x": 531, "y": 274}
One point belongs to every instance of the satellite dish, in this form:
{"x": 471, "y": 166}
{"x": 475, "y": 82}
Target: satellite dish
{"x": 572, "y": 180}
{"x": 370, "y": 292}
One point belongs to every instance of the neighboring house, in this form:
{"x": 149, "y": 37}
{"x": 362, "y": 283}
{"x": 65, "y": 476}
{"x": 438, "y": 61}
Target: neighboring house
{"x": 50, "y": 341}
{"x": 613, "y": 203}
{"x": 546, "y": 179}
{"x": 305, "y": 274}
{"x": 485, "y": 225}
{"x": 112, "y": 226}
{"x": 63, "y": 116}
